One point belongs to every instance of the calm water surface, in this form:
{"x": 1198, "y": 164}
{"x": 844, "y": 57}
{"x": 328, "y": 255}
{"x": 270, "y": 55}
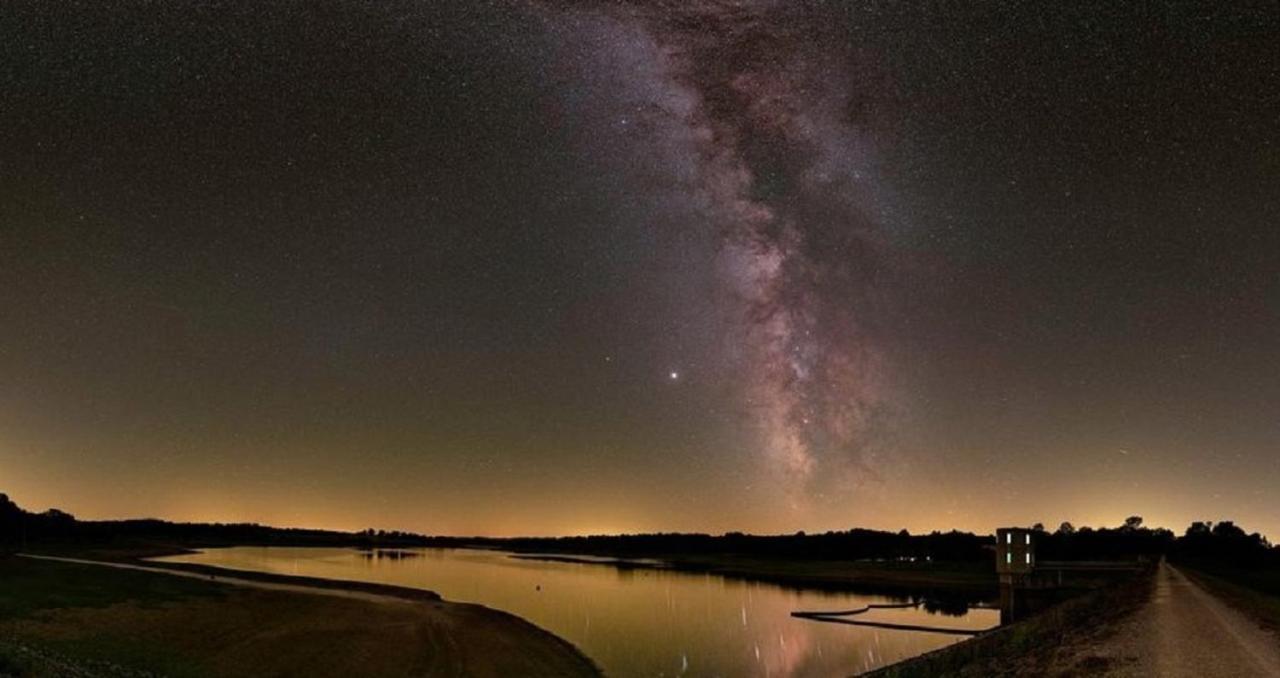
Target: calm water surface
{"x": 638, "y": 622}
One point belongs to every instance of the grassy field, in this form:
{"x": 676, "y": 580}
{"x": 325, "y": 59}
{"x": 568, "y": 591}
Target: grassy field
{"x": 61, "y": 619}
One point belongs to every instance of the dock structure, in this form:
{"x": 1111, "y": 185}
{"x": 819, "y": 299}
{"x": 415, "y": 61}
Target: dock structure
{"x": 1028, "y": 583}
{"x": 1015, "y": 563}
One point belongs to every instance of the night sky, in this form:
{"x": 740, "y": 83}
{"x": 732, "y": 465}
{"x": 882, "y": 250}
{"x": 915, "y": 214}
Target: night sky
{"x": 548, "y": 268}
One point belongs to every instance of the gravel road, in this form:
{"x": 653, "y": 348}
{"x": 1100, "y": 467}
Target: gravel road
{"x": 1187, "y": 631}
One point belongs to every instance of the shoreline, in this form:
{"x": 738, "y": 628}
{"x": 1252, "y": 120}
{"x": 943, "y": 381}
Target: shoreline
{"x": 948, "y": 581}
{"x": 843, "y": 576}
{"x": 908, "y": 582}
{"x": 281, "y": 582}
{"x": 401, "y": 593}
{"x": 487, "y": 620}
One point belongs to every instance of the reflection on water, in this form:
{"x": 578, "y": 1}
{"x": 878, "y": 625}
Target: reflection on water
{"x": 638, "y": 622}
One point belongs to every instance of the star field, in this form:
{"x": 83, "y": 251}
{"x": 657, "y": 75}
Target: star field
{"x": 556, "y": 267}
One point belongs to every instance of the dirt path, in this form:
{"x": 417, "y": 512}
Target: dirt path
{"x": 1186, "y": 631}
{"x": 236, "y": 581}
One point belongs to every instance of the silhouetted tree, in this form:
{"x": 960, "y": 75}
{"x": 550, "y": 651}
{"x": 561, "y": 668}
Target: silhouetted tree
{"x": 1198, "y": 529}
{"x": 1225, "y": 545}
{"x": 11, "y": 521}
{"x": 1228, "y": 530}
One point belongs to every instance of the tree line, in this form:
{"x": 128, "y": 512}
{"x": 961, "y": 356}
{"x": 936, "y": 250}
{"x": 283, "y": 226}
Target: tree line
{"x": 19, "y": 527}
{"x": 1221, "y": 541}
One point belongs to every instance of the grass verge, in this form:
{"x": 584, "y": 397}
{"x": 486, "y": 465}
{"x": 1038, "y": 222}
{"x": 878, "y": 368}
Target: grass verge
{"x": 1254, "y": 592}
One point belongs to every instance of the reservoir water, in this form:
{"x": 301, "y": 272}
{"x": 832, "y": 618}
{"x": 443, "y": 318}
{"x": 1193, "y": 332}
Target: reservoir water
{"x": 639, "y": 622}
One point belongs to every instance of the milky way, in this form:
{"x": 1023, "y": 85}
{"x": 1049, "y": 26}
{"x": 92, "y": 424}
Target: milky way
{"x": 412, "y": 264}
{"x": 771, "y": 153}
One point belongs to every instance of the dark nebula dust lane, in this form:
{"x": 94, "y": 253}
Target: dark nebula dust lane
{"x": 764, "y": 127}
